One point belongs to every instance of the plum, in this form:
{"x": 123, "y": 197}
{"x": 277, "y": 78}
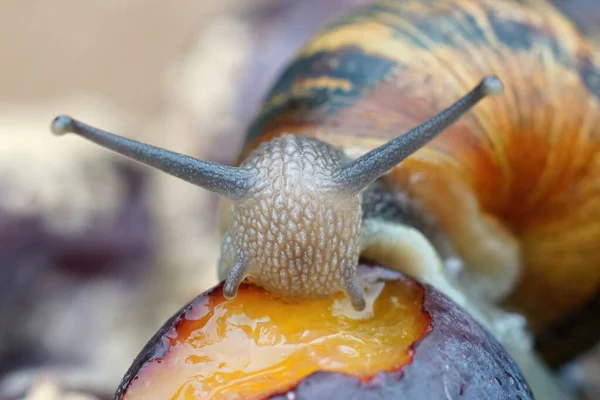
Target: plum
{"x": 411, "y": 342}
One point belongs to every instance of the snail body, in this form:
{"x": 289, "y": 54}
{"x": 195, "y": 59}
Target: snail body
{"x": 327, "y": 174}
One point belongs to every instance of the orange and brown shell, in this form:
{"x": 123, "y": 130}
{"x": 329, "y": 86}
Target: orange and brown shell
{"x": 523, "y": 167}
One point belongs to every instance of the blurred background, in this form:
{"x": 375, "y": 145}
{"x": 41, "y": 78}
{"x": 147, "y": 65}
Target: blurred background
{"x": 97, "y": 252}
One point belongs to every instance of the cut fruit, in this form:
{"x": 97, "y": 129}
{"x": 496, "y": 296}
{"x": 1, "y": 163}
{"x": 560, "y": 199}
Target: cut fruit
{"x": 256, "y": 346}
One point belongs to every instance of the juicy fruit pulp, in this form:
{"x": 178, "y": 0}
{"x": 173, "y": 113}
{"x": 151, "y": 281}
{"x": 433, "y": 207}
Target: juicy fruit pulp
{"x": 257, "y": 345}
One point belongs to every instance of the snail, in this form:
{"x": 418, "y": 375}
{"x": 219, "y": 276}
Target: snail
{"x": 510, "y": 189}
{"x": 297, "y": 223}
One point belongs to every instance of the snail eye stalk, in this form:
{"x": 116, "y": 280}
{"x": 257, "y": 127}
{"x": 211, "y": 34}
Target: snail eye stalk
{"x": 230, "y": 182}
{"x": 357, "y": 174}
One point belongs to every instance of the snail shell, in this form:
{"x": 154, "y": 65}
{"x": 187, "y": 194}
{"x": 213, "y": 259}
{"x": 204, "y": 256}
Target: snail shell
{"x": 515, "y": 184}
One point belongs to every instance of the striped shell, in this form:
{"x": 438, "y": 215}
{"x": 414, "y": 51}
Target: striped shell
{"x": 515, "y": 184}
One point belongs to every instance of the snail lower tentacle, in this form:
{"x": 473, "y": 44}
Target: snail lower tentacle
{"x": 236, "y": 275}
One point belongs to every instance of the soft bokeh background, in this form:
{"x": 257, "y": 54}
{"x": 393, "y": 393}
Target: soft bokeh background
{"x": 97, "y": 252}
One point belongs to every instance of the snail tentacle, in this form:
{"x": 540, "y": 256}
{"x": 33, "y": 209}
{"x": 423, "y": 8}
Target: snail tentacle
{"x": 356, "y": 295}
{"x": 237, "y": 273}
{"x": 231, "y": 182}
{"x": 362, "y": 171}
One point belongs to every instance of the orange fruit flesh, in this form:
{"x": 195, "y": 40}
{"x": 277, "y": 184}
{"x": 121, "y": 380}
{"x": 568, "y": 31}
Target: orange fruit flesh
{"x": 257, "y": 345}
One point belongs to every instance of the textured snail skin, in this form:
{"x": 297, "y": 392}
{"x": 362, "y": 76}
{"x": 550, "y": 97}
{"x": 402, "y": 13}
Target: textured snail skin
{"x": 513, "y": 184}
{"x": 299, "y": 235}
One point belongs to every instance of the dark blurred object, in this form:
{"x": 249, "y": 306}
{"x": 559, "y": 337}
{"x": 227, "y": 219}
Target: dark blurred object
{"x": 575, "y": 335}
{"x": 56, "y": 287}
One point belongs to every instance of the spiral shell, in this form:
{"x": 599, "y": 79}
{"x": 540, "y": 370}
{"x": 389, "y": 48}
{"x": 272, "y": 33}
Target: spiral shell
{"x": 515, "y": 184}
